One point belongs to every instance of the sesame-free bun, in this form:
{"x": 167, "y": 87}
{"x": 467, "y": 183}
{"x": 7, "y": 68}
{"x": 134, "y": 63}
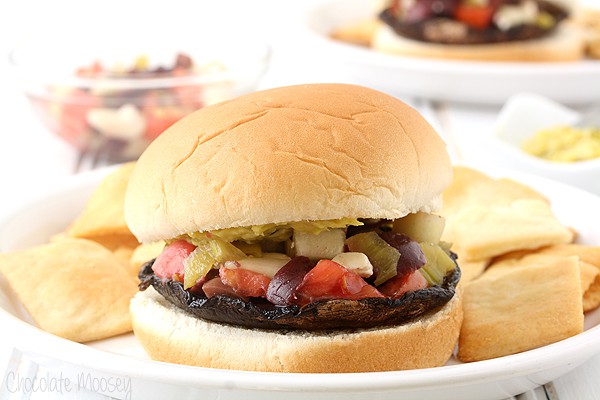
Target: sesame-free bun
{"x": 296, "y": 153}
{"x": 566, "y": 43}
{"x": 169, "y": 334}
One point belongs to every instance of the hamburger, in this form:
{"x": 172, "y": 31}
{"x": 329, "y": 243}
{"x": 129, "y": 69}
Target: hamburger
{"x": 300, "y": 236}
{"x": 491, "y": 30}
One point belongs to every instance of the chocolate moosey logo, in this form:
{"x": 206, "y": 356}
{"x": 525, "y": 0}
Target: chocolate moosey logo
{"x": 59, "y": 384}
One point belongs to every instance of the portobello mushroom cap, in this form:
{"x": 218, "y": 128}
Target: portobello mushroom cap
{"x": 320, "y": 315}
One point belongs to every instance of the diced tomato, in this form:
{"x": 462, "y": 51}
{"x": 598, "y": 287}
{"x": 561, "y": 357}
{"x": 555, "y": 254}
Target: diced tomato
{"x": 162, "y": 108}
{"x": 92, "y": 71}
{"x": 71, "y": 114}
{"x": 215, "y": 287}
{"x": 398, "y": 285}
{"x": 330, "y": 280}
{"x": 159, "y": 118}
{"x": 170, "y": 261}
{"x": 245, "y": 282}
{"x": 478, "y": 17}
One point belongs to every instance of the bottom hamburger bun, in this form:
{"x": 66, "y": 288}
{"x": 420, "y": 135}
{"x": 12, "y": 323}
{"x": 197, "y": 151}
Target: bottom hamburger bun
{"x": 565, "y": 44}
{"x": 171, "y": 335}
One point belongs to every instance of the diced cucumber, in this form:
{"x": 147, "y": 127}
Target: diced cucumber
{"x": 421, "y": 227}
{"x": 210, "y": 251}
{"x": 438, "y": 263}
{"x": 383, "y": 257}
{"x": 250, "y": 249}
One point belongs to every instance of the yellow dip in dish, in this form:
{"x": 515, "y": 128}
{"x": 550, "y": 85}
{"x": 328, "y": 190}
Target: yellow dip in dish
{"x": 565, "y": 144}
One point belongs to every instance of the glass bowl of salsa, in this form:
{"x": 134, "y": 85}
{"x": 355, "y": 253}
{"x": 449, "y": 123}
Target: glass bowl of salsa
{"x": 116, "y": 96}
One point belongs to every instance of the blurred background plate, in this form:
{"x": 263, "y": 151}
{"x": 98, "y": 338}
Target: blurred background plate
{"x": 446, "y": 80}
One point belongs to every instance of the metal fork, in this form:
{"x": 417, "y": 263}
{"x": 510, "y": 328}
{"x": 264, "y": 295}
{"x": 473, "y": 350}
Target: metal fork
{"x": 100, "y": 151}
{"x": 436, "y": 113}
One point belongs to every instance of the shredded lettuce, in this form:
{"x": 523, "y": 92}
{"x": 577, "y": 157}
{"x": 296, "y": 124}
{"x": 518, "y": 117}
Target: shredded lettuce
{"x": 278, "y": 232}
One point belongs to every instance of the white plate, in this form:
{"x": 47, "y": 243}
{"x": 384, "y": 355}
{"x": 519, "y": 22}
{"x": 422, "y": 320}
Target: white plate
{"x": 463, "y": 81}
{"x": 122, "y": 357}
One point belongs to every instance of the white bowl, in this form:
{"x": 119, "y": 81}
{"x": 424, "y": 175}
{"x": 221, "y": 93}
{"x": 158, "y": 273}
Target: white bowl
{"x": 523, "y": 115}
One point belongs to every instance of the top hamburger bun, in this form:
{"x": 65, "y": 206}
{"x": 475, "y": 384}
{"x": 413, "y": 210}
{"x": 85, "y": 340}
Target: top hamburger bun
{"x": 307, "y": 152}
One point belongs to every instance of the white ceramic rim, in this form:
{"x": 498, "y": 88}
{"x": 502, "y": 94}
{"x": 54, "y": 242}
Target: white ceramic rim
{"x": 257, "y": 66}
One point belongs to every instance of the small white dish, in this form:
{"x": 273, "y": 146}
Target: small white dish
{"x": 522, "y": 116}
